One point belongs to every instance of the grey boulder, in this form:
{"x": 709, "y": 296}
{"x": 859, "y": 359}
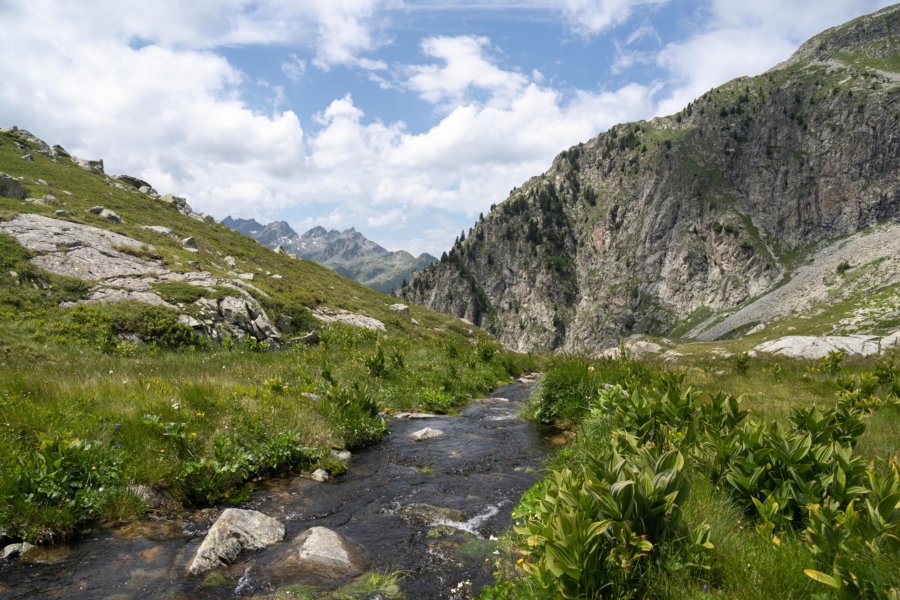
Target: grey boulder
{"x": 235, "y": 531}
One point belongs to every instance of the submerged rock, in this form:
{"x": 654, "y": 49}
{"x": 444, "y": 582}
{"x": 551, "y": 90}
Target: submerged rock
{"x": 235, "y": 530}
{"x": 328, "y": 554}
{"x": 427, "y": 514}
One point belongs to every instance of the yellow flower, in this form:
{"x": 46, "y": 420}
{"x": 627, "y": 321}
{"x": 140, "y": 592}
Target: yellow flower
{"x": 776, "y": 540}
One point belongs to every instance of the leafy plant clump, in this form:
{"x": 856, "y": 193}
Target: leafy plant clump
{"x": 608, "y": 522}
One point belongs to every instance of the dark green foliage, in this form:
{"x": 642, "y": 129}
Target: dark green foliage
{"x": 58, "y": 485}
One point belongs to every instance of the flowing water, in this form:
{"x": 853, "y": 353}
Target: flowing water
{"x": 481, "y": 466}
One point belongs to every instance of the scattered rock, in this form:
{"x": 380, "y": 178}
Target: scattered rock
{"x": 425, "y": 434}
{"x": 246, "y": 276}
{"x": 311, "y": 396}
{"x": 235, "y": 531}
{"x": 94, "y": 166}
{"x": 159, "y": 229}
{"x": 320, "y": 475}
{"x": 279, "y": 249}
{"x": 11, "y": 188}
{"x": 189, "y": 242}
{"x": 337, "y": 315}
{"x": 59, "y": 151}
{"x": 62, "y": 213}
{"x": 15, "y": 550}
{"x": 401, "y": 309}
{"x": 27, "y": 157}
{"x": 96, "y": 209}
{"x": 134, "y": 182}
{"x": 111, "y": 216}
{"x": 230, "y": 262}
{"x": 175, "y": 202}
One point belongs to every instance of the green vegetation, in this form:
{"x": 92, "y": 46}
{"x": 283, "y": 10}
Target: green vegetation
{"x": 95, "y": 398}
{"x": 671, "y": 489}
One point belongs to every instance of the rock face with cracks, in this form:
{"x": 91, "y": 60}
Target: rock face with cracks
{"x": 650, "y": 227}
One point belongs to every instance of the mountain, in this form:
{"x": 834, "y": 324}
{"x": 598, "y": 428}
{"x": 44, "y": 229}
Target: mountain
{"x": 667, "y": 226}
{"x": 347, "y": 252}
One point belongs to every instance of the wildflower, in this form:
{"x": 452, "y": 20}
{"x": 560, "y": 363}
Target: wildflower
{"x": 118, "y": 444}
{"x": 193, "y": 434}
{"x": 199, "y": 413}
{"x": 776, "y": 540}
{"x": 118, "y": 425}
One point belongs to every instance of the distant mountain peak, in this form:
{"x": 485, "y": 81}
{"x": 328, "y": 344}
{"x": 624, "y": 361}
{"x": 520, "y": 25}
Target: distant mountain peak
{"x": 348, "y": 252}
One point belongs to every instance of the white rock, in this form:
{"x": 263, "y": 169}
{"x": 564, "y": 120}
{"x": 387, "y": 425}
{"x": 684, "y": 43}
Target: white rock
{"x": 414, "y": 415}
{"x": 807, "y": 346}
{"x": 400, "y": 308}
{"x": 320, "y": 475}
{"x": 230, "y": 262}
{"x": 337, "y": 315}
{"x": 425, "y": 434}
{"x": 13, "y": 550}
{"x": 322, "y": 548}
{"x": 235, "y": 530}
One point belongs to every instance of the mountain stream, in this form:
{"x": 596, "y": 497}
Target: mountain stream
{"x": 481, "y": 466}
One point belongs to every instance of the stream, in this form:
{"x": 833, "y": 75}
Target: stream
{"x": 481, "y": 466}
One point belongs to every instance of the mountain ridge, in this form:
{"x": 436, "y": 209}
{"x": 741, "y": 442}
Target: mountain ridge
{"x": 347, "y": 252}
{"x": 655, "y": 225}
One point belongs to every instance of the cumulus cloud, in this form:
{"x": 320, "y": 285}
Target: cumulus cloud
{"x": 590, "y": 17}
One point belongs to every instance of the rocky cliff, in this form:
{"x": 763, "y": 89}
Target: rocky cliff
{"x": 651, "y": 227}
{"x": 347, "y": 252}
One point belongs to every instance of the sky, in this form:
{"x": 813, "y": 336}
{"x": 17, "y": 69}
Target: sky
{"x": 402, "y": 118}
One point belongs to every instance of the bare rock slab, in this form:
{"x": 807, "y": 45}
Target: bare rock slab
{"x": 235, "y": 531}
{"x": 337, "y": 315}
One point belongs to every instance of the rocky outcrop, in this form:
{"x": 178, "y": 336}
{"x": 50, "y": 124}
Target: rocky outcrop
{"x": 120, "y": 267}
{"x": 235, "y": 531}
{"x": 337, "y": 315}
{"x": 651, "y": 226}
{"x": 812, "y": 347}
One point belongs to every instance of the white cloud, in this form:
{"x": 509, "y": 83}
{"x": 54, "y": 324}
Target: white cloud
{"x": 465, "y": 70}
{"x": 294, "y": 67}
{"x": 590, "y": 17}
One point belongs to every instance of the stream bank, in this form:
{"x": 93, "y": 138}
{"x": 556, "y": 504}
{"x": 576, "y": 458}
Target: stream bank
{"x": 477, "y": 470}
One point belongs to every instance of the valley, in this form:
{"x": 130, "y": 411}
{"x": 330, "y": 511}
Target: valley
{"x": 666, "y": 367}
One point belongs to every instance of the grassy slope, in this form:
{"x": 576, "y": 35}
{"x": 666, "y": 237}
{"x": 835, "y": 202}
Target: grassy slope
{"x": 201, "y": 422}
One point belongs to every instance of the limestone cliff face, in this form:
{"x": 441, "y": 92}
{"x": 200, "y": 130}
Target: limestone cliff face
{"x": 651, "y": 226}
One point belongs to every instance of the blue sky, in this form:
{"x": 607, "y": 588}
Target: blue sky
{"x": 402, "y": 118}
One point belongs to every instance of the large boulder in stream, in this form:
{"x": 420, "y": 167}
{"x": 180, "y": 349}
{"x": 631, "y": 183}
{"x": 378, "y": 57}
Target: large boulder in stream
{"x": 235, "y": 530}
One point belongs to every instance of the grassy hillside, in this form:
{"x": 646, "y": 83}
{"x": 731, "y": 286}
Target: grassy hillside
{"x": 96, "y": 398}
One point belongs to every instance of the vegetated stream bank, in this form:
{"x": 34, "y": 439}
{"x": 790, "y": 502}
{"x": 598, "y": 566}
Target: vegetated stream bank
{"x": 481, "y": 466}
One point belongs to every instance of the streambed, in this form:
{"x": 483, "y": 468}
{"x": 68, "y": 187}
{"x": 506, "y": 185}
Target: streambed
{"x": 481, "y": 466}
